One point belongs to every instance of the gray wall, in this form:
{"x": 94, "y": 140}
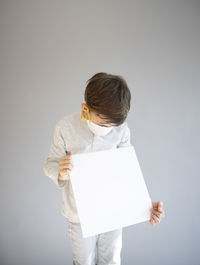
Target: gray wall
{"x": 48, "y": 51}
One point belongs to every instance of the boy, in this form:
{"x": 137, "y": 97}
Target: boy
{"x": 101, "y": 125}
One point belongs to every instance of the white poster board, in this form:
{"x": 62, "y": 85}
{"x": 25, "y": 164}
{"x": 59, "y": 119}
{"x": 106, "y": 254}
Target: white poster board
{"x": 109, "y": 190}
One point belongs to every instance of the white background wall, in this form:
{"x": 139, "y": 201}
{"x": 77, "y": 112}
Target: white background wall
{"x": 48, "y": 51}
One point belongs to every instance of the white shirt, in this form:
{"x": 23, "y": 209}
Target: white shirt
{"x": 71, "y": 133}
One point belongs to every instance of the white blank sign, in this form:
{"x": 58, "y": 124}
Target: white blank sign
{"x": 109, "y": 190}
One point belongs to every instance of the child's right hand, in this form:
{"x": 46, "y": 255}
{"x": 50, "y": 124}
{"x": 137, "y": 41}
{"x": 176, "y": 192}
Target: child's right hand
{"x": 65, "y": 166}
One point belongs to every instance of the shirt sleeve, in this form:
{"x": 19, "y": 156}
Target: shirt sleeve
{"x": 57, "y": 151}
{"x": 126, "y": 137}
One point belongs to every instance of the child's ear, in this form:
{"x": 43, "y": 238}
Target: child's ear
{"x": 84, "y": 106}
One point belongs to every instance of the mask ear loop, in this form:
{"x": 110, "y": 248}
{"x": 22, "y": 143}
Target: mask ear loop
{"x": 88, "y": 115}
{"x": 82, "y": 118}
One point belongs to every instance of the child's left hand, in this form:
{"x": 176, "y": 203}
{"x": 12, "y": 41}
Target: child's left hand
{"x": 157, "y": 212}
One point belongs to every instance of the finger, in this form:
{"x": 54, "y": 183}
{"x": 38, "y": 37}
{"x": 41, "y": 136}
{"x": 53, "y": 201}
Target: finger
{"x": 155, "y": 204}
{"x": 66, "y": 164}
{"x": 66, "y": 167}
{"x": 64, "y": 172}
{"x": 66, "y": 160}
{"x": 69, "y": 160}
{"x": 69, "y": 153}
{"x": 162, "y": 212}
{"x": 160, "y": 205}
{"x": 158, "y": 214}
{"x": 157, "y": 220}
{"x": 64, "y": 177}
{"x": 152, "y": 222}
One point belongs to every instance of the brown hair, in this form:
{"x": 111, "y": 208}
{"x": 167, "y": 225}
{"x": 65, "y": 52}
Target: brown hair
{"x": 109, "y": 97}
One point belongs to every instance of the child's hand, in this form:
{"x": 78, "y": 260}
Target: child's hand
{"x": 157, "y": 213}
{"x": 64, "y": 166}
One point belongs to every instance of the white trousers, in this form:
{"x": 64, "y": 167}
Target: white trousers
{"x": 101, "y": 249}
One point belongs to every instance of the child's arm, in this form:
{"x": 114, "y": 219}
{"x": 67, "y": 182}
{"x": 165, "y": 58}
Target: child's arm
{"x": 57, "y": 151}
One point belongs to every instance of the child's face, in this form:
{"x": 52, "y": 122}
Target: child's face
{"x": 94, "y": 117}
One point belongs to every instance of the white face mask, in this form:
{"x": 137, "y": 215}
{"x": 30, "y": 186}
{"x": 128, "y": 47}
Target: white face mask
{"x": 99, "y": 130}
